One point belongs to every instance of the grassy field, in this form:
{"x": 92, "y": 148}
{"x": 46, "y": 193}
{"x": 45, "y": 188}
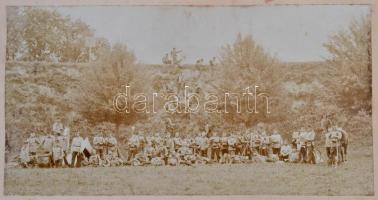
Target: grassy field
{"x": 352, "y": 178}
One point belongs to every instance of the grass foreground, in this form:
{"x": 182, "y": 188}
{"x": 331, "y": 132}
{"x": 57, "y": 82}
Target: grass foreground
{"x": 352, "y": 178}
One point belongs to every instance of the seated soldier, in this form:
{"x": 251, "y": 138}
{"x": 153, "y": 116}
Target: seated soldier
{"x": 47, "y": 146}
{"x": 177, "y": 141}
{"x": 149, "y": 151}
{"x": 276, "y": 141}
{"x": 25, "y": 159}
{"x": 33, "y": 142}
{"x": 231, "y": 142}
{"x": 157, "y": 161}
{"x": 99, "y": 144}
{"x": 286, "y": 150}
{"x": 134, "y": 144}
{"x": 174, "y": 159}
{"x": 255, "y": 143}
{"x": 265, "y": 144}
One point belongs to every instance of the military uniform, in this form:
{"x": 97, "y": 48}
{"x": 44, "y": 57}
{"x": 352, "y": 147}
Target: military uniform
{"x": 24, "y": 155}
{"x": 265, "y": 142}
{"x": 285, "y": 152}
{"x": 295, "y": 140}
{"x": 33, "y": 143}
{"x": 255, "y": 143}
{"x": 75, "y": 149}
{"x": 231, "y": 143}
{"x": 177, "y": 143}
{"x": 99, "y": 145}
{"x": 111, "y": 144}
{"x": 215, "y": 145}
{"x": 134, "y": 144}
{"x": 276, "y": 141}
{"x": 58, "y": 128}
{"x": 57, "y": 152}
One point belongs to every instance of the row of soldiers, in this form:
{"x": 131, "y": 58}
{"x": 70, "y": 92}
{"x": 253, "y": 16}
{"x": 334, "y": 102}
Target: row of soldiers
{"x": 252, "y": 146}
{"x": 205, "y": 147}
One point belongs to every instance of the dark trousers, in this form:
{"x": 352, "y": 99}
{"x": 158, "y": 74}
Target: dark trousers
{"x": 215, "y": 154}
{"x": 77, "y": 155}
{"x": 328, "y": 150}
{"x": 100, "y": 152}
{"x": 276, "y": 150}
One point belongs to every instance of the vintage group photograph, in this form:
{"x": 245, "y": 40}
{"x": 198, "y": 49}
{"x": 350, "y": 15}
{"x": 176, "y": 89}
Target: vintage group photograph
{"x": 188, "y": 100}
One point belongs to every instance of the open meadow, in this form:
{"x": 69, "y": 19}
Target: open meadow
{"x": 352, "y": 178}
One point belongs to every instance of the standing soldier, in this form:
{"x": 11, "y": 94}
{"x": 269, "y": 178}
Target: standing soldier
{"x": 99, "y": 144}
{"x": 166, "y": 60}
{"x": 174, "y": 56}
{"x": 310, "y": 145}
{"x": 302, "y": 145}
{"x": 344, "y": 143}
{"x": 75, "y": 150}
{"x": 276, "y": 140}
{"x": 335, "y": 151}
{"x": 255, "y": 142}
{"x": 328, "y": 144}
{"x": 212, "y": 62}
{"x": 295, "y": 139}
{"x": 58, "y": 153}
{"x": 58, "y": 127}
{"x": 111, "y": 143}
{"x": 204, "y": 145}
{"x": 47, "y": 145}
{"x": 224, "y": 147}
{"x": 231, "y": 142}
{"x": 64, "y": 140}
{"x": 215, "y": 145}
{"x": 325, "y": 123}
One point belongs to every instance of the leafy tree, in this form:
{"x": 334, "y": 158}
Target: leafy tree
{"x": 246, "y": 64}
{"x": 76, "y": 46}
{"x": 43, "y": 33}
{"x": 104, "y": 80}
{"x": 350, "y": 61}
{"x": 35, "y": 34}
{"x": 15, "y": 25}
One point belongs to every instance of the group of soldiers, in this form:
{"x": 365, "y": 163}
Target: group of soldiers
{"x": 46, "y": 148}
{"x": 173, "y": 58}
{"x": 252, "y": 145}
{"x": 174, "y": 54}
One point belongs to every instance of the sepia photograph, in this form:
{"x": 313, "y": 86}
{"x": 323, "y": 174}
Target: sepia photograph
{"x": 188, "y": 100}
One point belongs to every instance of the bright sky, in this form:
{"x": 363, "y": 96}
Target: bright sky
{"x": 292, "y": 33}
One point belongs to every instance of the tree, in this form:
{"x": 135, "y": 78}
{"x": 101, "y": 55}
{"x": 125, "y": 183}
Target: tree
{"x": 35, "y": 34}
{"x": 15, "y": 25}
{"x": 246, "y": 64}
{"x": 350, "y": 61}
{"x": 43, "y": 33}
{"x": 75, "y": 46}
{"x": 103, "y": 80}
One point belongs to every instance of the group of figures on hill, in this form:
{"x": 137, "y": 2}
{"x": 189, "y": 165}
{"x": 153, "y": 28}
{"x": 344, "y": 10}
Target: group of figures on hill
{"x": 174, "y": 58}
{"x": 207, "y": 147}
